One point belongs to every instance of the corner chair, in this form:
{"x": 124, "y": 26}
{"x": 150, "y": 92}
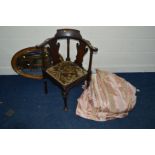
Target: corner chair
{"x": 67, "y": 73}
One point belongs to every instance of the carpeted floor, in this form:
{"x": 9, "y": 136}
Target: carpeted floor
{"x": 23, "y": 105}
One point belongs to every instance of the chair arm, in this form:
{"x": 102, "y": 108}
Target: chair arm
{"x": 94, "y": 49}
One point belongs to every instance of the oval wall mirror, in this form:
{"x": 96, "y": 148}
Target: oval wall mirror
{"x": 28, "y": 62}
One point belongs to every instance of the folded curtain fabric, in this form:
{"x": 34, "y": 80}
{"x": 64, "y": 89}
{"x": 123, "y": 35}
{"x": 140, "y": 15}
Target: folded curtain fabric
{"x": 108, "y": 97}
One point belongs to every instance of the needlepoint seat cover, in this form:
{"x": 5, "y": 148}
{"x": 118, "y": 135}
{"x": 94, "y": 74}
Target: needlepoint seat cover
{"x": 66, "y": 72}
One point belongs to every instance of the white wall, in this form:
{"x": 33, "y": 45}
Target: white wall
{"x": 121, "y": 49}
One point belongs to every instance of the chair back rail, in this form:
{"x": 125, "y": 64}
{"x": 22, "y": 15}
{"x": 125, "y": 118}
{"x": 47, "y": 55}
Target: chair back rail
{"x": 68, "y": 34}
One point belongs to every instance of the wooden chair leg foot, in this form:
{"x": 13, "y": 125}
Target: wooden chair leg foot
{"x": 65, "y": 94}
{"x": 66, "y": 109}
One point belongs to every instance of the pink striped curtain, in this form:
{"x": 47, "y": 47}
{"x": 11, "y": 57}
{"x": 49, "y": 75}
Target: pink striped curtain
{"x": 108, "y": 97}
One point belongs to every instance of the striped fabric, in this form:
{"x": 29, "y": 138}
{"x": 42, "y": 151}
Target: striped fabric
{"x": 108, "y": 97}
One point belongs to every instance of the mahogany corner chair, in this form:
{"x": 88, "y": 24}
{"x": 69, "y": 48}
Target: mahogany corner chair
{"x": 67, "y": 73}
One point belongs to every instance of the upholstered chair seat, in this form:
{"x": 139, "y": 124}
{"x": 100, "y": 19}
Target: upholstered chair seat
{"x": 66, "y": 72}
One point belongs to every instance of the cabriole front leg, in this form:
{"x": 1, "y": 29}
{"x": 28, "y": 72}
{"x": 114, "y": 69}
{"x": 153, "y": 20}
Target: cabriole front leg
{"x": 65, "y": 95}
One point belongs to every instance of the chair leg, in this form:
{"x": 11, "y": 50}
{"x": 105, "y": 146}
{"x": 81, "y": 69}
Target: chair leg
{"x": 45, "y": 87}
{"x": 65, "y": 94}
{"x": 88, "y": 80}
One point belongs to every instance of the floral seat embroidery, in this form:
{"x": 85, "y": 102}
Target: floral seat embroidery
{"x": 66, "y": 72}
